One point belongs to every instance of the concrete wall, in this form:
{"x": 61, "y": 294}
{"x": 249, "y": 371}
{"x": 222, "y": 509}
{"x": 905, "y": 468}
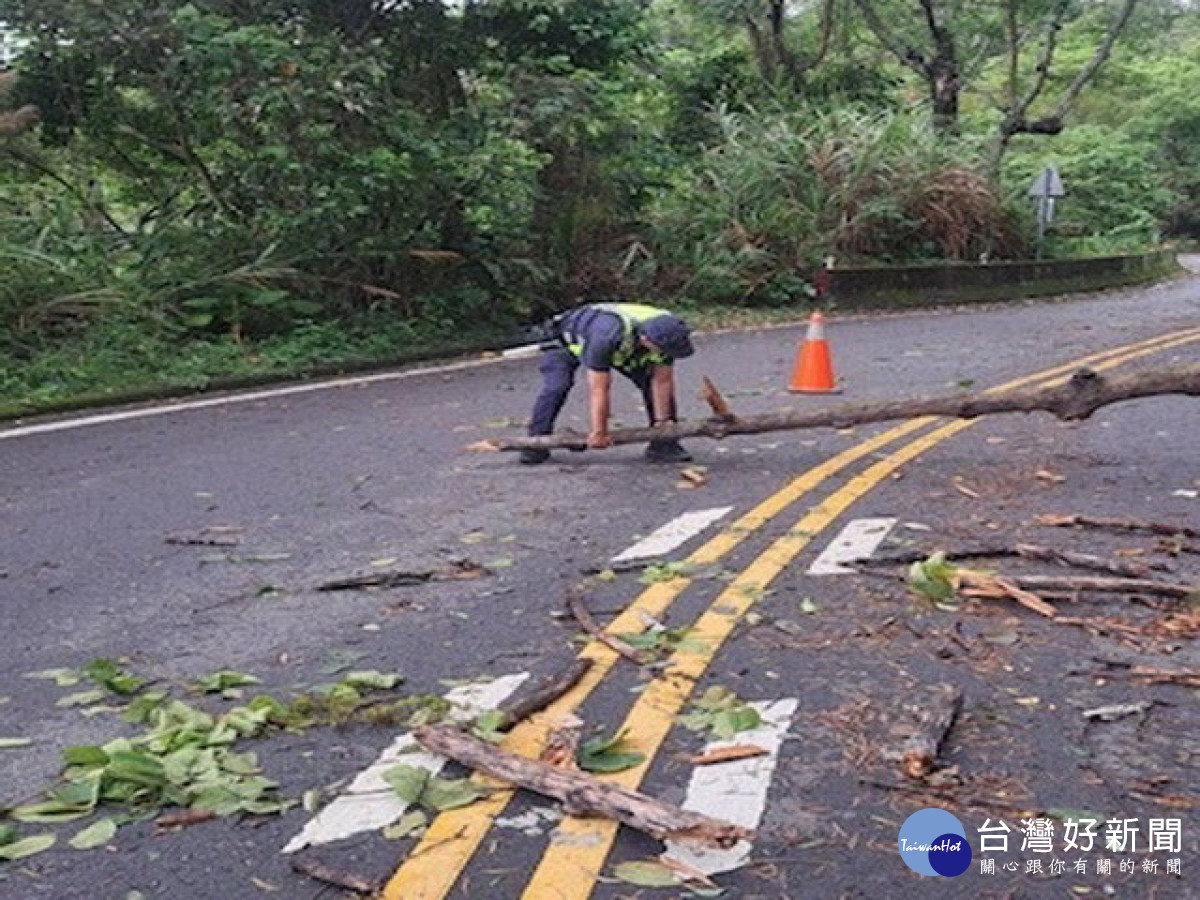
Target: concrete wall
{"x": 908, "y": 286}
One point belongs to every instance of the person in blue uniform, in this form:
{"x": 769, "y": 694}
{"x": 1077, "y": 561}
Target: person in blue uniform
{"x": 639, "y": 341}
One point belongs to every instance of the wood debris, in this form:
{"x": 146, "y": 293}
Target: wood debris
{"x": 981, "y": 585}
{"x": 580, "y": 793}
{"x": 931, "y": 721}
{"x": 459, "y": 570}
{"x": 213, "y": 536}
{"x": 1079, "y": 397}
{"x": 319, "y": 871}
{"x": 1067, "y": 520}
{"x": 581, "y": 615}
{"x": 726, "y": 754}
{"x": 526, "y": 705}
{"x": 562, "y": 743}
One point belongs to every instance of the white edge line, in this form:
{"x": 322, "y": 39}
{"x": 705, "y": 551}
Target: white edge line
{"x": 233, "y": 399}
{"x": 369, "y": 803}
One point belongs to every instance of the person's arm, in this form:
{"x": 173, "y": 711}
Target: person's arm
{"x": 662, "y": 392}
{"x": 599, "y": 404}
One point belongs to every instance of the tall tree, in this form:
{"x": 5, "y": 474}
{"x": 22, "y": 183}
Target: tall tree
{"x": 1027, "y": 89}
{"x": 787, "y": 39}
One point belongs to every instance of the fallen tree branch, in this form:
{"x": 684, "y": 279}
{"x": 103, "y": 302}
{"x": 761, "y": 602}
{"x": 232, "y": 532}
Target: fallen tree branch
{"x": 1066, "y": 520}
{"x": 1079, "y": 397}
{"x": 543, "y": 695}
{"x": 931, "y": 722}
{"x": 580, "y": 793}
{"x": 1036, "y": 552}
{"x": 588, "y": 624}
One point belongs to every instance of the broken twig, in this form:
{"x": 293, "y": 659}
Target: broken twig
{"x": 580, "y": 612}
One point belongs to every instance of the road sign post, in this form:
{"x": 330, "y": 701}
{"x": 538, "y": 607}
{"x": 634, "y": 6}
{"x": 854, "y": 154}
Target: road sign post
{"x": 1045, "y": 190}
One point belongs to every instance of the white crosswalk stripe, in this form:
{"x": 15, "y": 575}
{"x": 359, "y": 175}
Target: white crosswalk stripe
{"x": 369, "y": 802}
{"x": 674, "y": 534}
{"x": 858, "y": 540}
{"x": 735, "y": 791}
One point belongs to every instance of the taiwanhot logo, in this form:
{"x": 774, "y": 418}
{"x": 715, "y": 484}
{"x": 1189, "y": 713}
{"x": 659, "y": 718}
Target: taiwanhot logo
{"x": 934, "y": 842}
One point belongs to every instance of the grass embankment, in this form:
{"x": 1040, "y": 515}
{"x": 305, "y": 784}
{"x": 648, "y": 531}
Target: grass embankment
{"x": 123, "y": 362}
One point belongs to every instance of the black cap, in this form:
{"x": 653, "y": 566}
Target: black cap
{"x": 669, "y": 334}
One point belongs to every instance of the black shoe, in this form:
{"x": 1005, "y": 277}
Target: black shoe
{"x": 534, "y": 456}
{"x": 667, "y": 452}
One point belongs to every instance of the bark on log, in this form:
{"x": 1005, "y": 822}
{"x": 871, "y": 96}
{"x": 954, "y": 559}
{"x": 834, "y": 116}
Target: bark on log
{"x": 580, "y": 793}
{"x": 932, "y": 721}
{"x": 1079, "y": 397}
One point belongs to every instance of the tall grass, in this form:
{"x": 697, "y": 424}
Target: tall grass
{"x": 783, "y": 191}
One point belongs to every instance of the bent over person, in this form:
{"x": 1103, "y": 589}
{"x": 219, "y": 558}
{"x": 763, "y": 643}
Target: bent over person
{"x": 641, "y": 342}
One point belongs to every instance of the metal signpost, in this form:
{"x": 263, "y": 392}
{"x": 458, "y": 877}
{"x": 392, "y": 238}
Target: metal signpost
{"x": 1046, "y": 188}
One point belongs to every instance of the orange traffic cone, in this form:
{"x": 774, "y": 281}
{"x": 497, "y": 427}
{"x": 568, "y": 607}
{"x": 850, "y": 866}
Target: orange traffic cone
{"x": 813, "y": 371}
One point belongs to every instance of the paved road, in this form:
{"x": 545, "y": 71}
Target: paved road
{"x": 369, "y": 476}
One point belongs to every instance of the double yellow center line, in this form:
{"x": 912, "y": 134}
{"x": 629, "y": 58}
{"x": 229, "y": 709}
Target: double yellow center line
{"x": 570, "y": 866}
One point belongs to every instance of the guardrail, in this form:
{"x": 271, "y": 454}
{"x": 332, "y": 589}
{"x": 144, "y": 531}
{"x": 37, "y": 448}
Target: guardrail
{"x": 961, "y": 283}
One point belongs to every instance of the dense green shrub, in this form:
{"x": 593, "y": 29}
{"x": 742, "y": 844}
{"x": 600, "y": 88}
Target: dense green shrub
{"x": 785, "y": 189}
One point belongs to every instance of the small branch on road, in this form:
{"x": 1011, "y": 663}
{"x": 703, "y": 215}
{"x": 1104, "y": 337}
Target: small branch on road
{"x": 587, "y": 623}
{"x": 1064, "y": 520}
{"x": 580, "y": 793}
{"x": 1079, "y": 397}
{"x": 543, "y": 695}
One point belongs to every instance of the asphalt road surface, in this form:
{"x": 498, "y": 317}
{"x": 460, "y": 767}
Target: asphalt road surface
{"x": 189, "y": 539}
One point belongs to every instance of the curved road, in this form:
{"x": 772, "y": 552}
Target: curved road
{"x": 367, "y": 476}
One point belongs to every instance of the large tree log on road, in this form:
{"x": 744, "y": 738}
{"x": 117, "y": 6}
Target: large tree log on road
{"x": 1077, "y": 398}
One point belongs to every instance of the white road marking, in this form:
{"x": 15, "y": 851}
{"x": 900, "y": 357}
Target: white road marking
{"x": 858, "y": 540}
{"x": 125, "y": 415}
{"x": 672, "y": 535}
{"x": 735, "y": 791}
{"x": 369, "y": 802}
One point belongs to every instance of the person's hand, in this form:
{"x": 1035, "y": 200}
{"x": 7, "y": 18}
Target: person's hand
{"x": 598, "y": 440}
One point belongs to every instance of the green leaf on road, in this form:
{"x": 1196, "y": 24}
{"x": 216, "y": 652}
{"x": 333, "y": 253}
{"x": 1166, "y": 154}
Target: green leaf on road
{"x": 407, "y": 826}
{"x": 224, "y": 680}
{"x": 81, "y": 698}
{"x": 27, "y": 846}
{"x": 603, "y": 755}
{"x": 646, "y": 873}
{"x": 95, "y": 835}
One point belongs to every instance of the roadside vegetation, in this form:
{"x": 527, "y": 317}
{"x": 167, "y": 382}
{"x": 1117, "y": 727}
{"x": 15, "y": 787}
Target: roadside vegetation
{"x": 194, "y": 191}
